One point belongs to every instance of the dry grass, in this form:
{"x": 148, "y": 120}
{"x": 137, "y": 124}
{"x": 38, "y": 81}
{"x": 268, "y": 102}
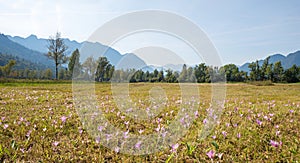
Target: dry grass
{"x": 32, "y": 127}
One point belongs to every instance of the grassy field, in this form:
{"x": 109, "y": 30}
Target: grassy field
{"x": 259, "y": 124}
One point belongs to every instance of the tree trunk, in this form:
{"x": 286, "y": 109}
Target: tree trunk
{"x": 56, "y": 73}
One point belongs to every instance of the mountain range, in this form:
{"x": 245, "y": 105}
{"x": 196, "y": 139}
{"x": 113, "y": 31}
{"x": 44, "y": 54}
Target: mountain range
{"x": 286, "y": 61}
{"x": 86, "y": 49}
{"x": 33, "y": 49}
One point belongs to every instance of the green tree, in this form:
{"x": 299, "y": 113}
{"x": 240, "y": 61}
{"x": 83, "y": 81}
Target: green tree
{"x": 161, "y": 76}
{"x": 200, "y": 72}
{"x": 56, "y": 51}
{"x": 5, "y": 70}
{"x": 255, "y": 70}
{"x": 89, "y": 66}
{"x": 231, "y": 71}
{"x": 183, "y": 77}
{"x": 74, "y": 66}
{"x": 63, "y": 73}
{"x": 263, "y": 70}
{"x": 170, "y": 77}
{"x": 191, "y": 75}
{"x": 292, "y": 74}
{"x": 278, "y": 72}
{"x": 103, "y": 70}
{"x": 269, "y": 74}
{"x": 48, "y": 74}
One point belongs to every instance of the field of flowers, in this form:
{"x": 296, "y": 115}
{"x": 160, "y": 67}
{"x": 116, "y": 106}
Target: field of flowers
{"x": 38, "y": 122}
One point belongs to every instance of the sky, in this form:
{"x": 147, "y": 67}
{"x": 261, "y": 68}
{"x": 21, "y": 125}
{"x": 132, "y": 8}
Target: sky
{"x": 241, "y": 31}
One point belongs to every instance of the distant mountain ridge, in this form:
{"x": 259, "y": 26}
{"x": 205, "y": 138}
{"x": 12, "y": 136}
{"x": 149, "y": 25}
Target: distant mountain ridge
{"x": 14, "y": 49}
{"x": 286, "y": 61}
{"x": 86, "y": 49}
{"x": 33, "y": 49}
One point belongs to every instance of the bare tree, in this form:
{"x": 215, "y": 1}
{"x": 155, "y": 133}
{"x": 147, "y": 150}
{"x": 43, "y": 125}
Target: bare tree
{"x": 56, "y": 51}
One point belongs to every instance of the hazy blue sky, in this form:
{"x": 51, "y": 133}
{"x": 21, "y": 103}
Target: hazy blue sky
{"x": 241, "y": 30}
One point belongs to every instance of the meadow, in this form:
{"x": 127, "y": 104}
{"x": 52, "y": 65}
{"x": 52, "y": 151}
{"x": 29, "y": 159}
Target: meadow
{"x": 39, "y": 123}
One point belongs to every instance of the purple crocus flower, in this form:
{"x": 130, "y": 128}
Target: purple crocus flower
{"x": 174, "y": 147}
{"x": 63, "y": 119}
{"x": 275, "y": 143}
{"x": 258, "y": 122}
{"x": 224, "y": 133}
{"x": 196, "y": 114}
{"x": 138, "y": 145}
{"x": 5, "y": 126}
{"x": 211, "y": 154}
{"x": 100, "y": 128}
{"x": 238, "y": 135}
{"x": 55, "y": 143}
{"x": 97, "y": 140}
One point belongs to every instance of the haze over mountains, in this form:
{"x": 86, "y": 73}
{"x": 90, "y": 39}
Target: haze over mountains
{"x": 33, "y": 49}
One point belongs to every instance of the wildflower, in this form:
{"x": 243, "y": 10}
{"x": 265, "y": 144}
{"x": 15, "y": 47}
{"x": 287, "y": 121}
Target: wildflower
{"x": 235, "y": 109}
{"x": 258, "y": 122}
{"x": 164, "y": 134}
{"x": 182, "y": 120}
{"x": 291, "y": 111}
{"x": 174, "y": 147}
{"x": 159, "y": 120}
{"x": 138, "y": 145}
{"x": 220, "y": 155}
{"x": 214, "y": 137}
{"x": 158, "y": 128}
{"x": 55, "y": 143}
{"x": 235, "y": 125}
{"x": 126, "y": 123}
{"x": 275, "y": 143}
{"x": 5, "y": 126}
{"x": 211, "y": 154}
{"x": 80, "y": 131}
{"x": 44, "y": 129}
{"x": 22, "y": 150}
{"x": 196, "y": 114}
{"x": 227, "y": 124}
{"x": 97, "y": 140}
{"x": 100, "y": 128}
{"x": 141, "y": 131}
{"x": 28, "y": 133}
{"x": 238, "y": 135}
{"x": 276, "y": 126}
{"x": 108, "y": 137}
{"x": 126, "y": 134}
{"x": 277, "y": 133}
{"x": 63, "y": 119}
{"x": 2, "y": 118}
{"x": 224, "y": 133}
{"x": 205, "y": 121}
{"x": 117, "y": 149}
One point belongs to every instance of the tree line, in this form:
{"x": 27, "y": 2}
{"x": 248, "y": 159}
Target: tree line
{"x": 101, "y": 70}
